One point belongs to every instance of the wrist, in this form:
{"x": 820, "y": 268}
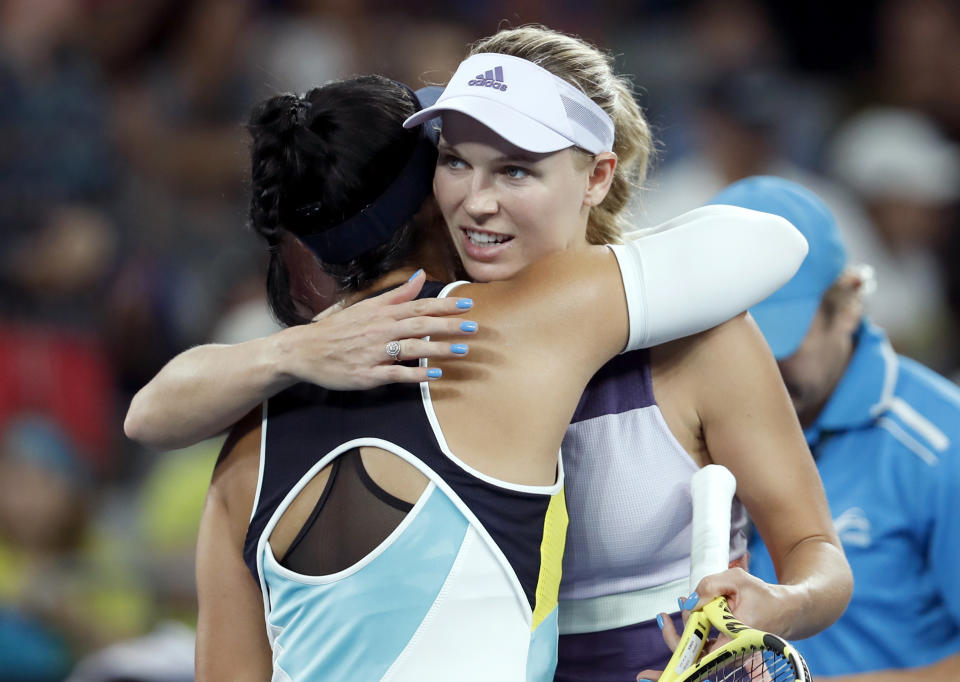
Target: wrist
{"x": 277, "y": 357}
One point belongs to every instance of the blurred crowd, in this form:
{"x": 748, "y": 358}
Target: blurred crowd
{"x": 123, "y": 161}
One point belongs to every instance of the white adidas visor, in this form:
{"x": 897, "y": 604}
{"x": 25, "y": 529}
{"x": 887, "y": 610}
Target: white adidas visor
{"x": 525, "y": 104}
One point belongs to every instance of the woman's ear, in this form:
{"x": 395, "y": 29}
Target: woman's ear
{"x": 602, "y": 168}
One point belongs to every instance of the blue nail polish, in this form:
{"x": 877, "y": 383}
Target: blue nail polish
{"x": 434, "y": 372}
{"x": 459, "y": 348}
{"x": 468, "y": 326}
{"x": 680, "y": 603}
{"x": 660, "y": 620}
{"x": 414, "y": 275}
{"x": 465, "y": 303}
{"x": 691, "y": 601}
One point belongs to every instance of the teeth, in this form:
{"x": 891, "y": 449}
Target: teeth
{"x": 485, "y": 238}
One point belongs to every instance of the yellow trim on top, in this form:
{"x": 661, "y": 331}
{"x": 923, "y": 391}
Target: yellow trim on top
{"x": 551, "y": 557}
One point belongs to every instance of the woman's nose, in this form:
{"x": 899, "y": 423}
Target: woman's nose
{"x": 481, "y": 200}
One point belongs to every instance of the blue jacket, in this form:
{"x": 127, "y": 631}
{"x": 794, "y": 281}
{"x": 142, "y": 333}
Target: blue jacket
{"x": 887, "y": 446}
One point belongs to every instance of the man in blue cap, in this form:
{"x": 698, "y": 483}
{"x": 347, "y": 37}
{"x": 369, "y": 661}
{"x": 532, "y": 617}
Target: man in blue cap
{"x": 885, "y": 432}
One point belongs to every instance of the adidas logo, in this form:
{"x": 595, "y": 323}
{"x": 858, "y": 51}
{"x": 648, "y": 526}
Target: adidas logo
{"x": 491, "y": 79}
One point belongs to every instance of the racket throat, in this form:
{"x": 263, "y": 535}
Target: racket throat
{"x": 690, "y": 653}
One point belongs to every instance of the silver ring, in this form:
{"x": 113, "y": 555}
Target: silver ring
{"x": 393, "y": 350}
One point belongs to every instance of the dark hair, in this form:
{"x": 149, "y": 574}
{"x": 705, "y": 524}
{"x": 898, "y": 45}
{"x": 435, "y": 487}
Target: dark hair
{"x": 320, "y": 159}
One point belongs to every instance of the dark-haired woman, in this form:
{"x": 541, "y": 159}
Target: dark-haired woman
{"x": 410, "y": 531}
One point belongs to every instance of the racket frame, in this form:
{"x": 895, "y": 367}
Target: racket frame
{"x": 684, "y": 665}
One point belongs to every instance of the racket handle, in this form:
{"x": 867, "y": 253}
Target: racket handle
{"x": 712, "y": 489}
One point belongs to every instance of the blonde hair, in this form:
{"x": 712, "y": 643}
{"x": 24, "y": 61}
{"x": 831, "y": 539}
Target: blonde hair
{"x": 591, "y": 70}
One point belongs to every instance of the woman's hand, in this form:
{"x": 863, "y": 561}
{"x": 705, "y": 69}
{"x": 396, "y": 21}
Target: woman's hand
{"x": 205, "y": 389}
{"x": 671, "y": 637}
{"x": 345, "y": 348}
{"x": 754, "y": 602}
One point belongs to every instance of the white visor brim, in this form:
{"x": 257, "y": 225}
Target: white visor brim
{"x": 515, "y": 127}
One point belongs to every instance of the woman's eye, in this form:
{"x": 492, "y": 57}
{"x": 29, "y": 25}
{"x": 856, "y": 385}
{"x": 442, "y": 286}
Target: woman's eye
{"x": 516, "y": 172}
{"x": 453, "y": 162}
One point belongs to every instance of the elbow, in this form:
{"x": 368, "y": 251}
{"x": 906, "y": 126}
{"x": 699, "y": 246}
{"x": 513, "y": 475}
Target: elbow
{"x": 835, "y": 600}
{"x": 845, "y": 586}
{"x": 138, "y": 427}
{"x": 133, "y": 422}
{"x": 841, "y": 580}
{"x": 827, "y": 592}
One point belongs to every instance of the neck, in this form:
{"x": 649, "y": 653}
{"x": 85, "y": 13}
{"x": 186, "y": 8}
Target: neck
{"x": 435, "y": 255}
{"x": 808, "y": 418}
{"x": 434, "y": 260}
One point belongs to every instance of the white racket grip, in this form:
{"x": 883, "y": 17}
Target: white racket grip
{"x": 712, "y": 489}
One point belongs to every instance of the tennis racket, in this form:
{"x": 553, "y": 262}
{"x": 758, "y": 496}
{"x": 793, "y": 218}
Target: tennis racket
{"x": 750, "y": 655}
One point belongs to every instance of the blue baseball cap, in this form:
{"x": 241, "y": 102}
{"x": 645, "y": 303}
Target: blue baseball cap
{"x": 785, "y": 316}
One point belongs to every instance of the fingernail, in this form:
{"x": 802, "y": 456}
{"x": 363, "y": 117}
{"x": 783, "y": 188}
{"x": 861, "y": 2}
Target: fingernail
{"x": 468, "y": 326}
{"x": 465, "y": 303}
{"x": 459, "y": 348}
{"x": 415, "y": 275}
{"x": 434, "y": 373}
{"x": 660, "y": 620}
{"x": 691, "y": 601}
{"x": 680, "y": 603}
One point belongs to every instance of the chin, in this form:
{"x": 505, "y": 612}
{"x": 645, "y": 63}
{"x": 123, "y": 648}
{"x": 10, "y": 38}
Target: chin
{"x": 489, "y": 272}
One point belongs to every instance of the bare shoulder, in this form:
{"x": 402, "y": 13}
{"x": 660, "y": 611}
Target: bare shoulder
{"x": 723, "y": 352}
{"x": 237, "y": 470}
{"x": 578, "y": 272}
{"x": 558, "y": 297}
{"x": 718, "y": 376}
{"x": 718, "y": 351}
{"x": 740, "y": 332}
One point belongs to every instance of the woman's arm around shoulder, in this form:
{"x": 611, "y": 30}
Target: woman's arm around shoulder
{"x": 231, "y": 632}
{"x": 707, "y": 265}
{"x": 676, "y": 280}
{"x": 204, "y": 390}
{"x": 749, "y": 425}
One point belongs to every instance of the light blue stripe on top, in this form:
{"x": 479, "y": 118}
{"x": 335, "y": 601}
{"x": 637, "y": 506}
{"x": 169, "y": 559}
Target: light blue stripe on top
{"x": 542, "y": 659}
{"x": 355, "y": 628}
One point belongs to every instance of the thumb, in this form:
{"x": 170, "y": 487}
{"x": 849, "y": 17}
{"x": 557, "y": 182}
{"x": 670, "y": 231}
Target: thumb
{"x": 649, "y": 675}
{"x": 408, "y": 290}
{"x": 669, "y": 630}
{"x": 727, "y": 583}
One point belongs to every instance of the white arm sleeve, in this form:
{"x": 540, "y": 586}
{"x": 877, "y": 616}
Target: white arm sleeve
{"x": 703, "y": 268}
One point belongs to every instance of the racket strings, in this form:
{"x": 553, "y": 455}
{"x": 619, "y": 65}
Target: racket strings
{"x": 750, "y": 666}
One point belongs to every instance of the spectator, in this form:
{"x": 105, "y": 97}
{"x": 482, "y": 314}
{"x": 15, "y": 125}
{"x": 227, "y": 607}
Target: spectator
{"x": 885, "y": 433}
{"x": 739, "y": 132}
{"x": 64, "y": 587}
{"x": 907, "y": 175}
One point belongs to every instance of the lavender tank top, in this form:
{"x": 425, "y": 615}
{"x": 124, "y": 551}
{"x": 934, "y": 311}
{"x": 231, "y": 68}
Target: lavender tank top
{"x": 628, "y": 493}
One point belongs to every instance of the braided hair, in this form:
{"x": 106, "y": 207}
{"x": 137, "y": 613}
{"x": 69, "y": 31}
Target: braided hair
{"x": 316, "y": 161}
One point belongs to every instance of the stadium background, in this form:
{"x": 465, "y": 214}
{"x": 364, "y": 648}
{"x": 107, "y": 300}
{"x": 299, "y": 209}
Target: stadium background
{"x": 123, "y": 170}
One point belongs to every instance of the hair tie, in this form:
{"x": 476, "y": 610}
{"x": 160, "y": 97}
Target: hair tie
{"x": 274, "y": 240}
{"x": 311, "y": 210}
{"x": 298, "y": 111}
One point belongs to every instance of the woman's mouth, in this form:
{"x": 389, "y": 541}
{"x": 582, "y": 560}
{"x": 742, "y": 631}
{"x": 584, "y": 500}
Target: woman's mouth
{"x": 483, "y": 245}
{"x": 485, "y": 239}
